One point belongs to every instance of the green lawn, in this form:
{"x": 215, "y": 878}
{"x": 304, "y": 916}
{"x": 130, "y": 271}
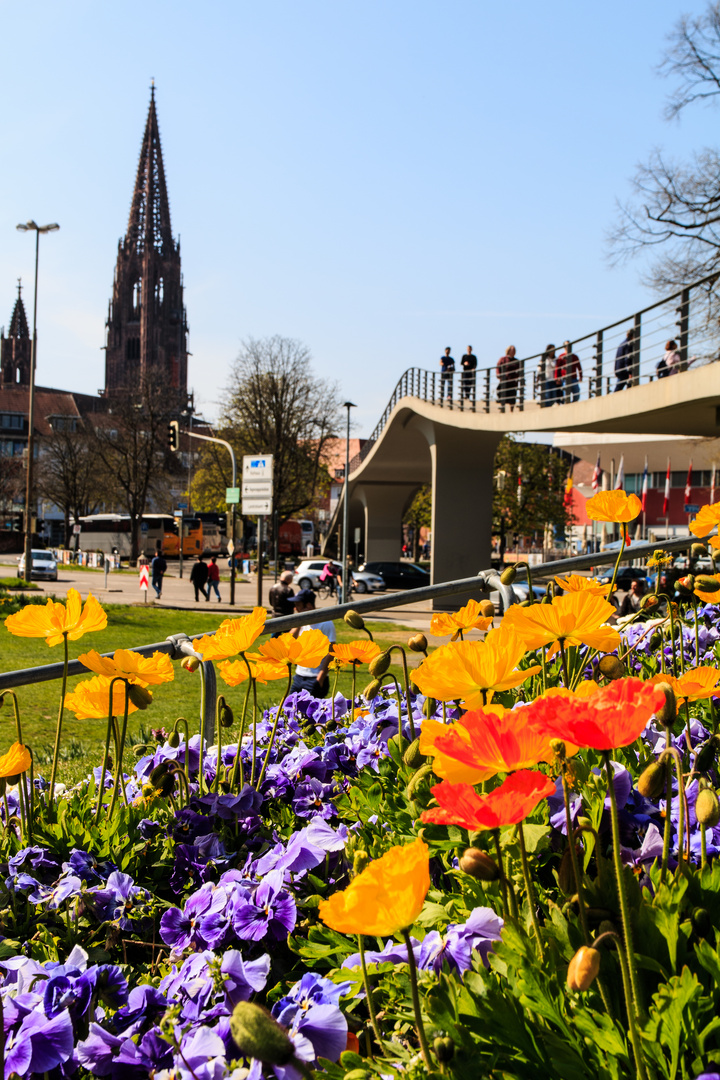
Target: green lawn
{"x": 130, "y": 626}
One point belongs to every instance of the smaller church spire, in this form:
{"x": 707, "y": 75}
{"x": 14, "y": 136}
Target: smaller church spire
{"x": 18, "y": 322}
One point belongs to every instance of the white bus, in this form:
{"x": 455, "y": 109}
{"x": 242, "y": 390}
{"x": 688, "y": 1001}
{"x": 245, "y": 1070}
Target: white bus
{"x": 111, "y": 533}
{"x": 308, "y": 533}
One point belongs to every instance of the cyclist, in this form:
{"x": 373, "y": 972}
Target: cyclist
{"x": 329, "y": 576}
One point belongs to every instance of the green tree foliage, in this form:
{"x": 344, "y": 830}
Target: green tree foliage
{"x": 419, "y": 515}
{"x": 542, "y": 493}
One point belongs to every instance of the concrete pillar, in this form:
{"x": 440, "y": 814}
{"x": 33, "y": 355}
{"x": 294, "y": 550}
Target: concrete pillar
{"x": 385, "y": 503}
{"x": 462, "y": 484}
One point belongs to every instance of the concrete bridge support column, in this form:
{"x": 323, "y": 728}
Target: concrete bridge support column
{"x": 385, "y": 504}
{"x": 462, "y": 483}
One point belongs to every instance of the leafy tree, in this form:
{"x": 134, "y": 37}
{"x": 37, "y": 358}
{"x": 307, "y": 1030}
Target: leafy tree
{"x": 12, "y": 480}
{"x": 544, "y": 473}
{"x": 68, "y": 475}
{"x": 274, "y": 404}
{"x": 419, "y": 515}
{"x": 676, "y": 205}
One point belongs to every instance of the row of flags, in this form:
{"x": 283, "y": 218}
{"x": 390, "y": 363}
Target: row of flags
{"x": 620, "y": 483}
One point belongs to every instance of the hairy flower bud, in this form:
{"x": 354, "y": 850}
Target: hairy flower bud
{"x": 668, "y": 711}
{"x": 697, "y": 551}
{"x": 685, "y": 584}
{"x": 353, "y": 619}
{"x": 478, "y": 864}
{"x": 412, "y": 756}
{"x": 139, "y": 696}
{"x": 612, "y": 667}
{"x": 157, "y": 774}
{"x": 583, "y": 968}
{"x": 705, "y": 583}
{"x": 258, "y": 1035}
{"x": 167, "y": 784}
{"x": 226, "y": 716}
{"x": 190, "y": 663}
{"x": 174, "y": 739}
{"x": 379, "y": 666}
{"x": 649, "y": 601}
{"x": 372, "y": 690}
{"x": 652, "y": 780}
{"x": 418, "y": 642}
{"x": 417, "y": 778}
{"x": 508, "y": 575}
{"x": 701, "y": 922}
{"x": 706, "y": 754}
{"x": 566, "y": 874}
{"x": 707, "y": 807}
{"x": 444, "y": 1049}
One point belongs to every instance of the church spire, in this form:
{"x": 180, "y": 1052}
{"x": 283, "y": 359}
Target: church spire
{"x": 149, "y": 221}
{"x": 16, "y": 348}
{"x": 18, "y": 322}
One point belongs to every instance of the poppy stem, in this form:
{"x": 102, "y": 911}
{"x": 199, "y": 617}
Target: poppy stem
{"x": 368, "y": 994}
{"x": 617, "y": 561}
{"x": 58, "y": 729}
{"x": 703, "y": 847}
{"x": 254, "y": 737}
{"x": 121, "y": 746}
{"x": 501, "y": 868}
{"x": 625, "y": 973}
{"x": 530, "y": 892}
{"x": 352, "y": 704}
{"x": 622, "y": 895}
{"x": 544, "y": 669}
{"x": 103, "y": 768}
{"x": 668, "y": 809}
{"x": 563, "y": 656}
{"x": 237, "y": 765}
{"x": 201, "y": 763}
{"x": 280, "y": 711}
{"x": 419, "y": 1027}
{"x": 334, "y": 691}
{"x": 407, "y": 692}
{"x": 573, "y": 856}
{"x": 218, "y": 739}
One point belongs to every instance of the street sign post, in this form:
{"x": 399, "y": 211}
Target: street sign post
{"x": 257, "y": 485}
{"x": 255, "y": 507}
{"x": 144, "y": 580}
{"x": 232, "y": 496}
{"x": 691, "y": 508}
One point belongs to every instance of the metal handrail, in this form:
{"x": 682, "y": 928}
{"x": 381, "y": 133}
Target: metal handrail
{"x": 179, "y": 645}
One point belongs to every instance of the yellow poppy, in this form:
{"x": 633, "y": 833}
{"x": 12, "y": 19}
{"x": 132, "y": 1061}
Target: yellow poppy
{"x": 455, "y": 622}
{"x": 16, "y": 761}
{"x": 444, "y": 766}
{"x": 356, "y": 652}
{"x": 471, "y": 671}
{"x": 145, "y": 670}
{"x": 386, "y": 897}
{"x": 695, "y": 685}
{"x": 708, "y": 597}
{"x": 707, "y": 518}
{"x": 613, "y": 506}
{"x": 307, "y": 650}
{"x": 714, "y": 542}
{"x": 90, "y": 700}
{"x": 576, "y": 618}
{"x": 233, "y": 636}
{"x": 578, "y": 583}
{"x": 235, "y": 672}
{"x": 54, "y": 620}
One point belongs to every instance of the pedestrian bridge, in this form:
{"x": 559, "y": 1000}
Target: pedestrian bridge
{"x": 451, "y": 444}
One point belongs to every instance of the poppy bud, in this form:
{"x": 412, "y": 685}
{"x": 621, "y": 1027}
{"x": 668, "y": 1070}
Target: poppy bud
{"x": 139, "y": 696}
{"x": 487, "y": 609}
{"x": 417, "y": 779}
{"x": 656, "y": 640}
{"x": 583, "y": 968}
{"x": 707, "y": 807}
{"x": 701, "y": 921}
{"x": 360, "y": 861}
{"x": 566, "y": 874}
{"x": 412, "y": 756}
{"x": 174, "y": 739}
{"x": 158, "y": 773}
{"x": 478, "y": 864}
{"x": 706, "y": 755}
{"x": 258, "y": 1035}
{"x": 353, "y": 619}
{"x": 685, "y": 584}
{"x": 379, "y": 666}
{"x": 697, "y": 551}
{"x": 652, "y": 780}
{"x": 668, "y": 711}
{"x": 649, "y": 601}
{"x": 444, "y": 1049}
{"x": 418, "y": 642}
{"x": 429, "y": 707}
{"x": 190, "y": 663}
{"x": 140, "y": 749}
{"x": 526, "y": 603}
{"x": 612, "y": 667}
{"x": 508, "y": 575}
{"x": 372, "y": 690}
{"x": 226, "y": 716}
{"x": 707, "y": 584}
{"x": 331, "y": 724}
{"x": 167, "y": 784}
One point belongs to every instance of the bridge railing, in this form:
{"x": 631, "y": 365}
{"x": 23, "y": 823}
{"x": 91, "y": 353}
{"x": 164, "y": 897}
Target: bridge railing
{"x": 543, "y": 380}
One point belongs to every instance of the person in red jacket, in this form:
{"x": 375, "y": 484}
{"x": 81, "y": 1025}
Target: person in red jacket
{"x": 568, "y": 373}
{"x": 213, "y": 578}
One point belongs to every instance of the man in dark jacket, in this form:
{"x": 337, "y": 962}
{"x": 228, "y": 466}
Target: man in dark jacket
{"x": 157, "y": 568}
{"x": 198, "y": 577}
{"x": 280, "y": 595}
{"x": 624, "y": 361}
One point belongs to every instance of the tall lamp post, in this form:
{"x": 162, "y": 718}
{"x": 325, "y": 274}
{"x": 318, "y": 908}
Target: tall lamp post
{"x": 346, "y": 508}
{"x": 32, "y": 226}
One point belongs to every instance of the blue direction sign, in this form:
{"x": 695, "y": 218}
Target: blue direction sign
{"x": 691, "y": 508}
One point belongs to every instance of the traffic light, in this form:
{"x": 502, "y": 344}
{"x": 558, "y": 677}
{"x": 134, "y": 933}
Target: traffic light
{"x": 174, "y": 435}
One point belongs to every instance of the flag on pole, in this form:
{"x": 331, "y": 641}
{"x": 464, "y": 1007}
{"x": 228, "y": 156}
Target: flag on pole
{"x": 666, "y": 498}
{"x": 519, "y": 488}
{"x": 645, "y": 486}
{"x": 567, "y": 498}
{"x": 597, "y": 474}
{"x": 620, "y": 482}
{"x": 688, "y": 487}
{"x": 712, "y": 485}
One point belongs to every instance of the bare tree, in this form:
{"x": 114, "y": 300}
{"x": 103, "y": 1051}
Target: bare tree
{"x": 68, "y": 475}
{"x": 130, "y": 442}
{"x": 12, "y": 480}
{"x": 676, "y": 205}
{"x": 274, "y": 404}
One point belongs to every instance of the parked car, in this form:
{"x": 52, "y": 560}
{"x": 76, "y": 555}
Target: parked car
{"x": 399, "y": 575}
{"x": 307, "y": 576}
{"x": 44, "y": 566}
{"x": 625, "y": 576}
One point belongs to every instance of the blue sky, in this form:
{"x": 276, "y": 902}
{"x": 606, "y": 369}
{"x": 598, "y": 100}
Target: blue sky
{"x": 378, "y": 180}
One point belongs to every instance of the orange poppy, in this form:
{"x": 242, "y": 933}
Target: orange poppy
{"x": 708, "y": 597}
{"x": 90, "y": 700}
{"x": 54, "y": 620}
{"x": 578, "y": 583}
{"x": 577, "y": 618}
{"x": 355, "y": 652}
{"x": 696, "y": 684}
{"x": 455, "y": 622}
{"x": 308, "y": 649}
{"x": 235, "y": 672}
{"x": 706, "y": 519}
{"x": 613, "y": 506}
{"x": 233, "y": 636}
{"x": 714, "y": 542}
{"x": 508, "y": 804}
{"x": 386, "y": 897}
{"x": 445, "y": 766}
{"x": 497, "y": 744}
{"x": 614, "y": 716}
{"x": 16, "y": 761}
{"x": 145, "y": 670}
{"x": 472, "y": 671}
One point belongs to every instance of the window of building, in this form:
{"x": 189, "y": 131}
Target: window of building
{"x": 15, "y": 421}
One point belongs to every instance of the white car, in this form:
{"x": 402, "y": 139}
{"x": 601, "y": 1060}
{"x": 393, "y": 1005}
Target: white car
{"x": 44, "y": 566}
{"x": 307, "y": 576}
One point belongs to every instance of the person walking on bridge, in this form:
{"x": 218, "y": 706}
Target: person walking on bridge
{"x": 447, "y": 370}
{"x": 508, "y": 372}
{"x": 571, "y": 373}
{"x": 469, "y": 366}
{"x": 548, "y": 385}
{"x": 624, "y": 361}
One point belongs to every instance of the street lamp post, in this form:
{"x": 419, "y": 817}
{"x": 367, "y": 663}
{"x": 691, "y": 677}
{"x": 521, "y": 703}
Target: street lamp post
{"x": 346, "y": 510}
{"x": 32, "y": 226}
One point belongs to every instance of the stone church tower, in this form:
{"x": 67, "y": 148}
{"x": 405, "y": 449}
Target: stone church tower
{"x": 16, "y": 348}
{"x": 147, "y": 324}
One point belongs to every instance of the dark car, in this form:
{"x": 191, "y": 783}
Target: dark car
{"x": 399, "y": 575}
{"x": 625, "y": 577}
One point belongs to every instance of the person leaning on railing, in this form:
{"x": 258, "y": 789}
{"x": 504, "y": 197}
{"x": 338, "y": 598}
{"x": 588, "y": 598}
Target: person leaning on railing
{"x": 571, "y": 372}
{"x": 623, "y": 361}
{"x": 671, "y": 362}
{"x": 508, "y": 370}
{"x": 548, "y": 385}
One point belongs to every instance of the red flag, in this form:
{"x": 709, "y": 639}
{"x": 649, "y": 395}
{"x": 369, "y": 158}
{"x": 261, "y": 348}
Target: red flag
{"x": 645, "y": 487}
{"x": 688, "y": 485}
{"x": 666, "y": 499}
{"x": 597, "y": 474}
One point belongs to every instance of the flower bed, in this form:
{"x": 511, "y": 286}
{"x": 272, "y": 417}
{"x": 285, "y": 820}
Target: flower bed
{"x": 503, "y": 867}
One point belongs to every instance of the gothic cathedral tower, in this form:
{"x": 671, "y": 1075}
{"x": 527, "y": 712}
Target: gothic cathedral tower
{"x": 147, "y": 324}
{"x": 16, "y": 348}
